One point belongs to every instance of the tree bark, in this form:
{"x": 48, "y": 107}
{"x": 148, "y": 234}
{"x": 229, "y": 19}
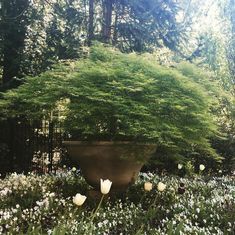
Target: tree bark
{"x": 115, "y": 32}
{"x": 91, "y": 22}
{"x": 107, "y": 20}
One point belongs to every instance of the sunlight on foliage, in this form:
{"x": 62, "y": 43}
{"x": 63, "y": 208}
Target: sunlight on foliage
{"x": 114, "y": 96}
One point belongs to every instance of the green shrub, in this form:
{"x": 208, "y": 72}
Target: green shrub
{"x": 114, "y": 96}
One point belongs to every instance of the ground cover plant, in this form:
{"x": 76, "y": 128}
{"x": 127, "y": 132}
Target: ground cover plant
{"x": 33, "y": 204}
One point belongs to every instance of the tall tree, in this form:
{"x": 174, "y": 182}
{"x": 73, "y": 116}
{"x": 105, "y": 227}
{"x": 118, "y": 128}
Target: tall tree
{"x": 144, "y": 25}
{"x": 13, "y": 26}
{"x": 90, "y": 36}
{"x": 231, "y": 48}
{"x": 34, "y": 37}
{"x": 64, "y": 34}
{"x": 138, "y": 25}
{"x": 107, "y": 20}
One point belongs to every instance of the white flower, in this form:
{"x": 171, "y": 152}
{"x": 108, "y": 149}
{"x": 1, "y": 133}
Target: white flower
{"x": 180, "y": 166}
{"x": 161, "y": 187}
{"x": 51, "y": 195}
{"x": 74, "y": 169}
{"x": 79, "y": 199}
{"x": 105, "y": 186}
{"x": 148, "y": 186}
{"x": 47, "y": 162}
{"x": 198, "y": 210}
{"x": 202, "y": 167}
{"x": 24, "y": 182}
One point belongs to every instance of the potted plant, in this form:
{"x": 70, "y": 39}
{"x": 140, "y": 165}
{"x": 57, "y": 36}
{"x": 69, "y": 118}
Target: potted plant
{"x": 116, "y": 108}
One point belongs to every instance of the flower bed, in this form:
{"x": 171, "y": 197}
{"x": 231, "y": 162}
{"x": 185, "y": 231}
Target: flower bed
{"x": 35, "y": 204}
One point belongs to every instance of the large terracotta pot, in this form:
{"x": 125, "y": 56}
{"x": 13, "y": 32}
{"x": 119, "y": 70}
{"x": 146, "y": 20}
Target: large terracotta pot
{"x": 119, "y": 162}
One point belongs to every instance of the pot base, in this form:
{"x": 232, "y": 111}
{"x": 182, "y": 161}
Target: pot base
{"x": 119, "y": 162}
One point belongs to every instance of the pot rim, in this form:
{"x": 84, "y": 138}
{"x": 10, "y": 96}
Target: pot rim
{"x": 104, "y": 143}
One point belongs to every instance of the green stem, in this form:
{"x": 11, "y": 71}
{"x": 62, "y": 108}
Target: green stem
{"x": 141, "y": 199}
{"x": 101, "y": 200}
{"x": 93, "y": 215}
{"x": 154, "y": 201}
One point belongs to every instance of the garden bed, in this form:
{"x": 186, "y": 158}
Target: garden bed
{"x": 43, "y": 204}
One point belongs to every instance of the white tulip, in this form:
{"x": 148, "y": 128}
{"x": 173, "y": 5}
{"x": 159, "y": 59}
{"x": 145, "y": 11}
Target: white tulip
{"x": 180, "y": 166}
{"x": 74, "y": 169}
{"x": 202, "y": 167}
{"x": 161, "y": 187}
{"x": 148, "y": 186}
{"x": 79, "y": 199}
{"x": 105, "y": 186}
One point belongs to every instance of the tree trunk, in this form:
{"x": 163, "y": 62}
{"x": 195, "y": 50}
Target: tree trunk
{"x": 91, "y": 22}
{"x": 115, "y": 32}
{"x": 107, "y": 20}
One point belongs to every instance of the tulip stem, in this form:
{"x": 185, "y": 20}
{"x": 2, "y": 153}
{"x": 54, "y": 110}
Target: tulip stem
{"x": 141, "y": 199}
{"x": 77, "y": 210}
{"x": 94, "y": 213}
{"x": 101, "y": 200}
{"x": 154, "y": 201}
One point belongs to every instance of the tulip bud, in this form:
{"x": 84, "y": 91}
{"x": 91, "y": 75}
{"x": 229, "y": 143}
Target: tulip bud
{"x": 79, "y": 199}
{"x": 148, "y": 186}
{"x": 202, "y": 167}
{"x": 180, "y": 166}
{"x": 105, "y": 186}
{"x": 161, "y": 187}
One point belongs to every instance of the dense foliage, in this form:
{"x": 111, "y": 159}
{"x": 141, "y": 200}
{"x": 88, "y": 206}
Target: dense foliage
{"x": 13, "y": 27}
{"x": 43, "y": 205}
{"x": 34, "y": 33}
{"x": 114, "y": 96}
{"x": 143, "y": 26}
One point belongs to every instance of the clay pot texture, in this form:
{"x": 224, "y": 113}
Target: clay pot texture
{"x": 119, "y": 162}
